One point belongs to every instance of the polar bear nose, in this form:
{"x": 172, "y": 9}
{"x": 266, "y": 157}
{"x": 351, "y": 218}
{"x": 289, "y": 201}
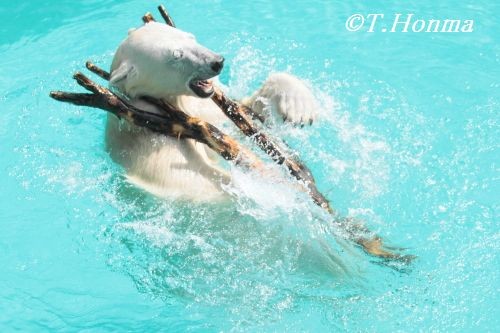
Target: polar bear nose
{"x": 217, "y": 65}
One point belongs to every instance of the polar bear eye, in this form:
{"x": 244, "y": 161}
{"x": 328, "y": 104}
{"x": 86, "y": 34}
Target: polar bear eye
{"x": 177, "y": 54}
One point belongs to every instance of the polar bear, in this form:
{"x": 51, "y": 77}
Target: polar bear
{"x": 167, "y": 63}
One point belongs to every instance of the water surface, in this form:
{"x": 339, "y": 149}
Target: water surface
{"x": 408, "y": 142}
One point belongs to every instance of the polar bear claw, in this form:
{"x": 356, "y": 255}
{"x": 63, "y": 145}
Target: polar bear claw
{"x": 288, "y": 96}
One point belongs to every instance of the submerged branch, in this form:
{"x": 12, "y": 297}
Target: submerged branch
{"x": 242, "y": 116}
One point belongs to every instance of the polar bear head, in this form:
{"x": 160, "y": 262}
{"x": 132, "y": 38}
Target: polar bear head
{"x": 160, "y": 61}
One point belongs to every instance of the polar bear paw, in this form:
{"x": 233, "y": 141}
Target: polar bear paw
{"x": 288, "y": 96}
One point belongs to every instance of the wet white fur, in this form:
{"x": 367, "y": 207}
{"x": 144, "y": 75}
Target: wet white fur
{"x": 159, "y": 61}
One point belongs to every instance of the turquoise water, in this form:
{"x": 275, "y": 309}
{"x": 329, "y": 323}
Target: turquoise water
{"x": 408, "y": 141}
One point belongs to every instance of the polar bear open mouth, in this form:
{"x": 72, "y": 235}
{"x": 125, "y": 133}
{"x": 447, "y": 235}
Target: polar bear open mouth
{"x": 202, "y": 88}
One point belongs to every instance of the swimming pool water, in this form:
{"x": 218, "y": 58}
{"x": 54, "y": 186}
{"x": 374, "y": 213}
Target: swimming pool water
{"x": 408, "y": 141}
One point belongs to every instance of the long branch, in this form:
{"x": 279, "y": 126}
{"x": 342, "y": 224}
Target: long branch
{"x": 242, "y": 115}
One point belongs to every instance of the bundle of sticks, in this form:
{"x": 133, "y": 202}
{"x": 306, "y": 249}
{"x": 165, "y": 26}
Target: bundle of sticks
{"x": 175, "y": 123}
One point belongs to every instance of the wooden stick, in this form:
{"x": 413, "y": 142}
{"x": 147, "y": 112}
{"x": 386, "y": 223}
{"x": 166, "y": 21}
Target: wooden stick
{"x": 96, "y": 70}
{"x": 166, "y": 17}
{"x": 148, "y": 17}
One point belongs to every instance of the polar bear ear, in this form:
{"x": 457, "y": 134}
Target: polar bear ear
{"x": 120, "y": 74}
